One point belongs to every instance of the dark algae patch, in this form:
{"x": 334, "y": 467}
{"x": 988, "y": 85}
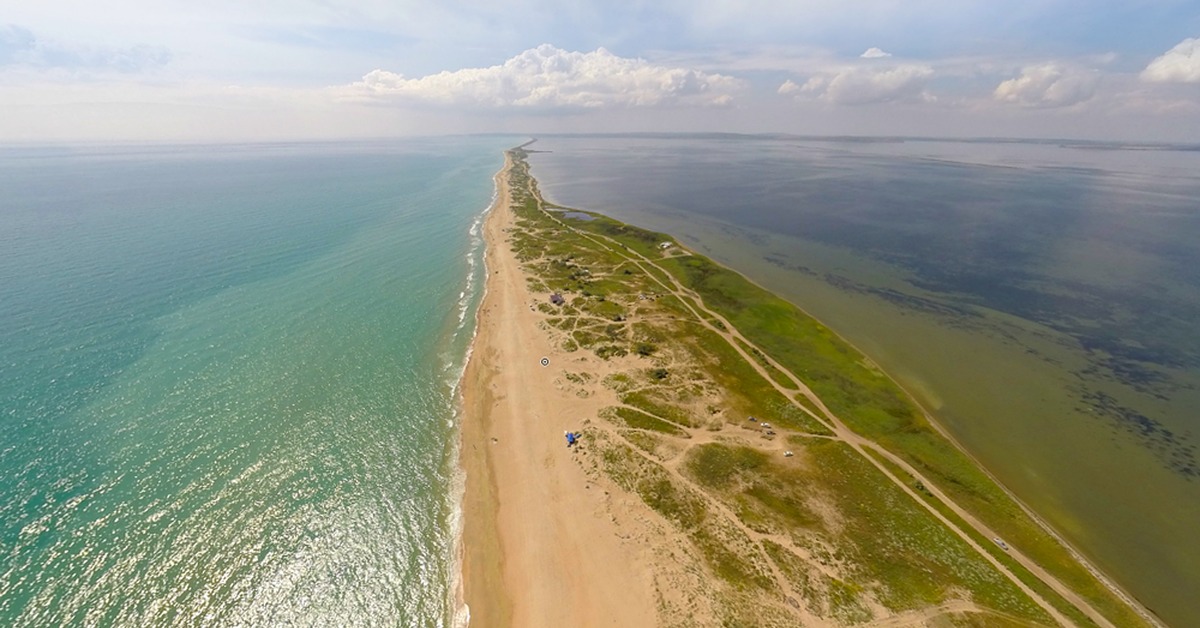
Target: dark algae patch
{"x": 804, "y": 481}
{"x": 1175, "y": 451}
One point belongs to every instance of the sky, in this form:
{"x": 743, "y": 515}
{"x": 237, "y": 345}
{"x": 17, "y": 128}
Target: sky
{"x": 231, "y": 70}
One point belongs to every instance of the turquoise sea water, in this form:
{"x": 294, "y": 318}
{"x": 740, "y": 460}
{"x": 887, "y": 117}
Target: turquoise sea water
{"x": 226, "y": 380}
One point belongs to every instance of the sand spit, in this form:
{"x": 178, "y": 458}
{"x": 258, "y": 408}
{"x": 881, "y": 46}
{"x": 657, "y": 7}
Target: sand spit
{"x": 677, "y": 510}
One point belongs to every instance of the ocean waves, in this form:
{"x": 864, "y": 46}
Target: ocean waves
{"x": 262, "y": 431}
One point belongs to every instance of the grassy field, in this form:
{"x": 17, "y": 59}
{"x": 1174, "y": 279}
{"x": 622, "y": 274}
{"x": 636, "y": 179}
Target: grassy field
{"x": 822, "y": 527}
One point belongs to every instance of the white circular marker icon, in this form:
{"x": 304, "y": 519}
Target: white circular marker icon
{"x": 545, "y": 361}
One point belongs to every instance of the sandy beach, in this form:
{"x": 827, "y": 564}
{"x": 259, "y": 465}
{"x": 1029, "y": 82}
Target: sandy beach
{"x": 540, "y": 547}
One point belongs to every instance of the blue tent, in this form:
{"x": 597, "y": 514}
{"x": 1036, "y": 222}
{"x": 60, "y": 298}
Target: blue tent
{"x": 571, "y": 438}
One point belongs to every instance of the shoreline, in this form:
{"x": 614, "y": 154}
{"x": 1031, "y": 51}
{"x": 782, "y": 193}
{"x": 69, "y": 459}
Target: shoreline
{"x": 477, "y": 506}
{"x": 460, "y": 612}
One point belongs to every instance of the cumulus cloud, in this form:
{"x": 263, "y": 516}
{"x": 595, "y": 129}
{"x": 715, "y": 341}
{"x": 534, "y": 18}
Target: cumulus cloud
{"x": 1180, "y": 64}
{"x": 548, "y": 77}
{"x": 861, "y": 86}
{"x": 875, "y": 53}
{"x": 1047, "y": 85}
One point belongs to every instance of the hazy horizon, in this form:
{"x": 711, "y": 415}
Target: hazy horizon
{"x": 72, "y": 71}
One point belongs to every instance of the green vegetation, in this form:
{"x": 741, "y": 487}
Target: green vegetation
{"x": 654, "y": 404}
{"x": 715, "y": 466}
{"x": 640, "y": 420}
{"x": 826, "y": 526}
{"x": 685, "y": 508}
{"x": 775, "y": 374}
{"x": 990, "y": 545}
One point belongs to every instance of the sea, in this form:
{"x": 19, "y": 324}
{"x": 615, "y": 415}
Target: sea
{"x": 1040, "y": 299}
{"x": 228, "y": 380}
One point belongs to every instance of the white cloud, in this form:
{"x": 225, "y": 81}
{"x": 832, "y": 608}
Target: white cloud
{"x": 789, "y": 87}
{"x": 1180, "y": 64}
{"x": 875, "y": 53}
{"x": 548, "y": 77}
{"x": 860, "y": 86}
{"x": 1047, "y": 85}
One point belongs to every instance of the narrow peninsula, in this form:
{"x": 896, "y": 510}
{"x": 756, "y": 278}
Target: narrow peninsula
{"x": 737, "y": 463}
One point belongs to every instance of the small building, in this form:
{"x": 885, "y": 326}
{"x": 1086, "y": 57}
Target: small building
{"x": 557, "y": 299}
{"x": 664, "y": 246}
